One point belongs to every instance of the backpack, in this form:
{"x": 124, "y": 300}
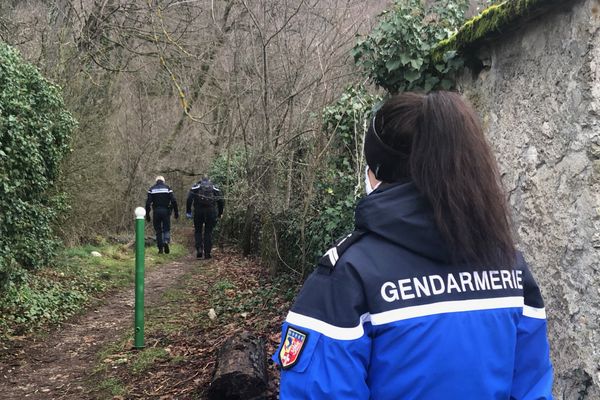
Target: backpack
{"x": 206, "y": 194}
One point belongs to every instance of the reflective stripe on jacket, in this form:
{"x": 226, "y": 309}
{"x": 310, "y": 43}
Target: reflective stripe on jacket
{"x": 386, "y": 316}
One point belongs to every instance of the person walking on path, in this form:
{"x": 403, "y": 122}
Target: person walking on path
{"x": 428, "y": 298}
{"x": 162, "y": 201}
{"x": 208, "y": 204}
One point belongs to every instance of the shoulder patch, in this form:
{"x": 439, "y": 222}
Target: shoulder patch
{"x": 292, "y": 346}
{"x": 332, "y": 255}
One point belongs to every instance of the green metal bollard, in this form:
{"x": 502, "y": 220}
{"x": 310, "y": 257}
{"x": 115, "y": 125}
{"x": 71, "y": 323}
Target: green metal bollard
{"x": 140, "y": 213}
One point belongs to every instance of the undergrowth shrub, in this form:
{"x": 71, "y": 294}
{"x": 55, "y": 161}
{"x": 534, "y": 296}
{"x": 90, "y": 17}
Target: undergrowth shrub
{"x": 292, "y": 236}
{"x": 341, "y": 183}
{"x": 35, "y": 129}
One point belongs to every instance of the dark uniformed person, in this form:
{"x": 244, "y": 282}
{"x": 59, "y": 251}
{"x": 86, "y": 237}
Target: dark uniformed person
{"x": 427, "y": 299}
{"x": 162, "y": 201}
{"x": 208, "y": 206}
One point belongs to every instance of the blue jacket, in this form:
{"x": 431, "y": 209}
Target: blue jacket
{"x": 386, "y": 316}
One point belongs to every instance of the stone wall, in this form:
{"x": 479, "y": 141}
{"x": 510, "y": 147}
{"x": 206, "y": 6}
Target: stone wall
{"x": 539, "y": 96}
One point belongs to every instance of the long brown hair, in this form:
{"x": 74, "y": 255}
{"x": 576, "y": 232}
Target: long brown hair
{"x": 452, "y": 165}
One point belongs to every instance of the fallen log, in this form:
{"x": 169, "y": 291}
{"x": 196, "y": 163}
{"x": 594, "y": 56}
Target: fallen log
{"x": 241, "y": 372}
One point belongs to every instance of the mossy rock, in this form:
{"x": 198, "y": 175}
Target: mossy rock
{"x": 493, "y": 22}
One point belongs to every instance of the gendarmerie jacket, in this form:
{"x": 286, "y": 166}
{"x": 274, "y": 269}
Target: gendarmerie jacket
{"x": 386, "y": 315}
{"x": 195, "y": 197}
{"x": 161, "y": 196}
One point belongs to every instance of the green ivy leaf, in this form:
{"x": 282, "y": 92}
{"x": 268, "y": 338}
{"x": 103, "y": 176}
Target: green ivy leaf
{"x": 412, "y": 76}
{"x": 430, "y": 83}
{"x": 392, "y": 65}
{"x": 404, "y": 58}
{"x": 446, "y": 84}
{"x": 416, "y": 63}
{"x": 449, "y": 55}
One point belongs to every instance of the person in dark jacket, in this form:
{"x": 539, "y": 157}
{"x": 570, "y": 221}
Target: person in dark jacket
{"x": 208, "y": 204}
{"x": 427, "y": 299}
{"x": 162, "y": 201}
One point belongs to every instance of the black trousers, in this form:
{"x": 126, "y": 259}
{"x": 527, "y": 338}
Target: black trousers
{"x": 161, "y": 220}
{"x": 205, "y": 219}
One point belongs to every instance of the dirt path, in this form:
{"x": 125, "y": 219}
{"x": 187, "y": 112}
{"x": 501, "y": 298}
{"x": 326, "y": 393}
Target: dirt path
{"x": 55, "y": 367}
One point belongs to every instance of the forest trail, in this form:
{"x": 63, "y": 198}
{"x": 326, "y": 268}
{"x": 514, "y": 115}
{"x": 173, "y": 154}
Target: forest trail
{"x": 55, "y": 367}
{"x": 91, "y": 356}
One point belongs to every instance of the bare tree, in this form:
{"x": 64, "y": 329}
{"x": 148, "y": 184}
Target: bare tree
{"x": 165, "y": 85}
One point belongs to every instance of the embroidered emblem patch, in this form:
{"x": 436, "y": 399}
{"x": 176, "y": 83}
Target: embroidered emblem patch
{"x": 292, "y": 346}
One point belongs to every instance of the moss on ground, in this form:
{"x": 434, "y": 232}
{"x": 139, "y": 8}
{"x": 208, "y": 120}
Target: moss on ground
{"x": 112, "y": 387}
{"x": 146, "y": 358}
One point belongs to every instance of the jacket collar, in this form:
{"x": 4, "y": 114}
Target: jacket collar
{"x": 400, "y": 214}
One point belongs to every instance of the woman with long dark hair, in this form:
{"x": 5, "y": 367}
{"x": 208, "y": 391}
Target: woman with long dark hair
{"x": 427, "y": 298}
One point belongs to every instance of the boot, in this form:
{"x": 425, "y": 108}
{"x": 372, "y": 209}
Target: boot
{"x": 167, "y": 250}
{"x": 198, "y": 253}
{"x": 160, "y": 250}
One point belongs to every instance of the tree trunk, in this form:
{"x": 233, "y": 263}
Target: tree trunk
{"x": 241, "y": 371}
{"x": 248, "y": 232}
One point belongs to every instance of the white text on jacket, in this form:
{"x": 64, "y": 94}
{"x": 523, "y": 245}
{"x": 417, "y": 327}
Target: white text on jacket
{"x": 432, "y": 285}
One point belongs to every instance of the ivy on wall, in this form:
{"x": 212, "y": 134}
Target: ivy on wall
{"x": 397, "y": 54}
